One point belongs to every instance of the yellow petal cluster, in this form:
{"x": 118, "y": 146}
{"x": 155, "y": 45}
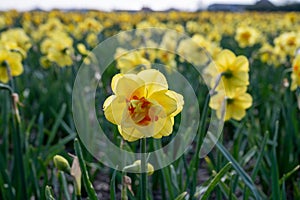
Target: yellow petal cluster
{"x": 246, "y": 36}
{"x": 11, "y": 61}
{"x": 233, "y": 71}
{"x": 57, "y": 48}
{"x": 142, "y": 105}
{"x": 296, "y": 73}
{"x": 16, "y": 40}
{"x": 132, "y": 61}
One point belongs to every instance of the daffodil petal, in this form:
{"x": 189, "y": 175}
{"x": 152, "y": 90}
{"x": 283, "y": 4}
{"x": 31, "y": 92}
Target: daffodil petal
{"x": 169, "y": 103}
{"x": 154, "y": 80}
{"x": 244, "y": 101}
{"x": 217, "y": 100}
{"x": 3, "y": 75}
{"x": 224, "y": 59}
{"x": 128, "y": 135}
{"x": 113, "y": 107}
{"x": 179, "y": 100}
{"x": 241, "y": 64}
{"x": 129, "y": 85}
{"x": 163, "y": 127}
{"x": 238, "y": 113}
{"x": 114, "y": 81}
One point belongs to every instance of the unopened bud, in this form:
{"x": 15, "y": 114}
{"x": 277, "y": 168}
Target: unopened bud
{"x": 61, "y": 163}
{"x": 136, "y": 168}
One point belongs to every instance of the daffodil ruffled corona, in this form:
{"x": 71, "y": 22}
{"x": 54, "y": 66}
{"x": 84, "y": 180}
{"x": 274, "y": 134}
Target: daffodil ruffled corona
{"x": 142, "y": 105}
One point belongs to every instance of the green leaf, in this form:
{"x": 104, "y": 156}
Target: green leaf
{"x": 58, "y": 121}
{"x": 87, "y": 183}
{"x": 48, "y": 193}
{"x": 215, "y": 181}
{"x": 287, "y": 175}
{"x": 113, "y": 185}
{"x": 182, "y": 196}
{"x": 64, "y": 184}
{"x": 274, "y": 168}
{"x": 245, "y": 177}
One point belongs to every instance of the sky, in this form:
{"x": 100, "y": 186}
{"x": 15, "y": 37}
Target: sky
{"x": 107, "y": 5}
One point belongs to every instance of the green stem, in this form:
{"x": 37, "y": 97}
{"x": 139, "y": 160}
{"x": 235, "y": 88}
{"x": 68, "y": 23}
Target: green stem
{"x": 86, "y": 180}
{"x": 143, "y": 169}
{"x": 200, "y": 136}
{"x": 17, "y": 139}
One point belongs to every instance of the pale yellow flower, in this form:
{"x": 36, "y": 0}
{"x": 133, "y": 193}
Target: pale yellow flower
{"x": 296, "y": 73}
{"x": 233, "y": 69}
{"x": 247, "y": 36}
{"x": 234, "y": 104}
{"x": 132, "y": 62}
{"x": 11, "y": 60}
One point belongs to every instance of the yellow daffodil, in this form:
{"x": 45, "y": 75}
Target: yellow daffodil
{"x": 207, "y": 44}
{"x": 86, "y": 54}
{"x": 58, "y": 49}
{"x": 17, "y": 40}
{"x": 233, "y": 69}
{"x": 132, "y": 60}
{"x": 192, "y": 52}
{"x": 92, "y": 39}
{"x": 89, "y": 25}
{"x": 236, "y": 104}
{"x": 246, "y": 36}
{"x": 296, "y": 73}
{"x": 142, "y": 106}
{"x": 288, "y": 43}
{"x": 13, "y": 60}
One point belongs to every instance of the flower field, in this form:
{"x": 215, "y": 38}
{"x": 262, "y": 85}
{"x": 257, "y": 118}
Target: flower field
{"x": 149, "y": 105}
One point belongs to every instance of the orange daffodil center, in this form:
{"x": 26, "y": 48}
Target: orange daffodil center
{"x": 139, "y": 111}
{"x": 142, "y": 106}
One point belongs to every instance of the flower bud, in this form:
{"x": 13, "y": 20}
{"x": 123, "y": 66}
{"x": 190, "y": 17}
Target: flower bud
{"x": 61, "y": 163}
{"x": 136, "y": 168}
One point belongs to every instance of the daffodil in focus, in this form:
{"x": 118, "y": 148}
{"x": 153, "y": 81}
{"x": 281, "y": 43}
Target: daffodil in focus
{"x": 11, "y": 60}
{"x": 142, "y": 106}
{"x": 232, "y": 69}
{"x": 296, "y": 73}
{"x": 234, "y": 105}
